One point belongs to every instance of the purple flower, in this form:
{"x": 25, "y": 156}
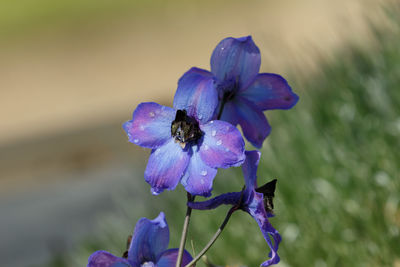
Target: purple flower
{"x": 186, "y": 145}
{"x": 243, "y": 92}
{"x": 148, "y": 248}
{"x": 251, "y": 200}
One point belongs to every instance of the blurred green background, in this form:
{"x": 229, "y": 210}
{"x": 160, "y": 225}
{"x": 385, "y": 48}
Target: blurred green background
{"x": 72, "y": 71}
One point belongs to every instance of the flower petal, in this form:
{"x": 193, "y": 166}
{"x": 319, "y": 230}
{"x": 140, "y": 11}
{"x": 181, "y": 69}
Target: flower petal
{"x": 150, "y": 238}
{"x": 197, "y": 94}
{"x": 103, "y": 258}
{"x": 257, "y": 211}
{"x": 169, "y": 257}
{"x": 249, "y": 169}
{"x": 166, "y": 166}
{"x": 236, "y": 59}
{"x": 270, "y": 91}
{"x": 198, "y": 178}
{"x": 222, "y": 145}
{"x": 252, "y": 121}
{"x": 224, "y": 199}
{"x": 150, "y": 125}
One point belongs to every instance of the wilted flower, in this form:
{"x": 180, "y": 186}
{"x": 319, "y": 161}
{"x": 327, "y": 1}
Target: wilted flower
{"x": 251, "y": 200}
{"x": 186, "y": 145}
{"x": 148, "y": 248}
{"x": 243, "y": 92}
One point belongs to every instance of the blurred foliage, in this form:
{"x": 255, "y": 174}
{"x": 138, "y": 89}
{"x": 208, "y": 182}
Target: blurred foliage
{"x": 336, "y": 156}
{"x": 24, "y": 16}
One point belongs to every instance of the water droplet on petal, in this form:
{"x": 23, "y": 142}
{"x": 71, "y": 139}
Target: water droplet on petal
{"x": 219, "y": 142}
{"x": 214, "y": 132}
{"x": 227, "y": 149}
{"x": 157, "y": 151}
{"x": 152, "y": 114}
{"x": 206, "y": 147}
{"x": 211, "y": 121}
{"x": 200, "y": 116}
{"x": 136, "y": 141}
{"x": 204, "y": 173}
{"x": 202, "y": 181}
{"x": 141, "y": 127}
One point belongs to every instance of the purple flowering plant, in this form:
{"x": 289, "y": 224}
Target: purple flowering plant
{"x": 148, "y": 248}
{"x": 194, "y": 138}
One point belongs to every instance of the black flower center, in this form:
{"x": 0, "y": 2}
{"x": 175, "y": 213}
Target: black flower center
{"x": 185, "y": 129}
{"x": 268, "y": 191}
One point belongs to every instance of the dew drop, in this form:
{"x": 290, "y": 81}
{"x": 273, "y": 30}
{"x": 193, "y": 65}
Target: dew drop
{"x": 141, "y": 127}
{"x": 200, "y": 116}
{"x": 157, "y": 151}
{"x": 202, "y": 181}
{"x": 214, "y": 132}
{"x": 219, "y": 142}
{"x": 152, "y": 114}
{"x": 206, "y": 147}
{"x": 204, "y": 173}
{"x": 211, "y": 122}
{"x": 227, "y": 149}
{"x": 136, "y": 141}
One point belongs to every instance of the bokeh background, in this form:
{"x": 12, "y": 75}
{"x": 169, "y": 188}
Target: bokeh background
{"x": 72, "y": 71}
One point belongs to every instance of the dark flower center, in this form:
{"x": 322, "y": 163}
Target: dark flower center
{"x": 185, "y": 129}
{"x": 228, "y": 89}
{"x": 268, "y": 191}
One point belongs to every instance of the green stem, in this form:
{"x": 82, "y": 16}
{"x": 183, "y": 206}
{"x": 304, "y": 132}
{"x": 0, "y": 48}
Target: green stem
{"x": 214, "y": 238}
{"x": 185, "y": 228}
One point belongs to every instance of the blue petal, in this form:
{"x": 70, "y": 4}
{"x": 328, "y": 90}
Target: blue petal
{"x": 198, "y": 178}
{"x": 222, "y": 145}
{"x": 150, "y": 238}
{"x": 169, "y": 257}
{"x": 106, "y": 259}
{"x": 150, "y": 125}
{"x": 197, "y": 94}
{"x": 236, "y": 60}
{"x": 257, "y": 211}
{"x": 270, "y": 91}
{"x": 224, "y": 199}
{"x": 252, "y": 121}
{"x": 249, "y": 169}
{"x": 166, "y": 166}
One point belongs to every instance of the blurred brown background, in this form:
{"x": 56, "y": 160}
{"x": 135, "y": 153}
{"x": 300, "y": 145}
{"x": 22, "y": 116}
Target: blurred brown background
{"x": 72, "y": 72}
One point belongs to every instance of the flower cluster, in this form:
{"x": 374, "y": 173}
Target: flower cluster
{"x": 197, "y": 135}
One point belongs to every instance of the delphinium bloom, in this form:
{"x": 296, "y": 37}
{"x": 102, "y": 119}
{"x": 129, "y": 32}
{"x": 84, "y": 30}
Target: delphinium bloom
{"x": 243, "y": 92}
{"x": 251, "y": 200}
{"x": 148, "y": 248}
{"x": 186, "y": 144}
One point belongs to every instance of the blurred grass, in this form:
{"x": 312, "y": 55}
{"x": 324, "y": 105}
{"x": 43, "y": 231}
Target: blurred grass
{"x": 25, "y": 17}
{"x": 336, "y": 156}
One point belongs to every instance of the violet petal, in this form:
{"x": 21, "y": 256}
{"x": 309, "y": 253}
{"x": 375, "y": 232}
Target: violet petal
{"x": 103, "y": 258}
{"x": 168, "y": 258}
{"x": 224, "y": 199}
{"x": 252, "y": 121}
{"x": 150, "y": 125}
{"x": 222, "y": 145}
{"x": 270, "y": 91}
{"x": 150, "y": 238}
{"x": 166, "y": 166}
{"x": 197, "y": 94}
{"x": 198, "y": 178}
{"x": 257, "y": 211}
{"x": 236, "y": 59}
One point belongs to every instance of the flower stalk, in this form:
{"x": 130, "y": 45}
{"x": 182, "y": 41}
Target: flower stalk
{"x": 185, "y": 229}
{"x": 214, "y": 238}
